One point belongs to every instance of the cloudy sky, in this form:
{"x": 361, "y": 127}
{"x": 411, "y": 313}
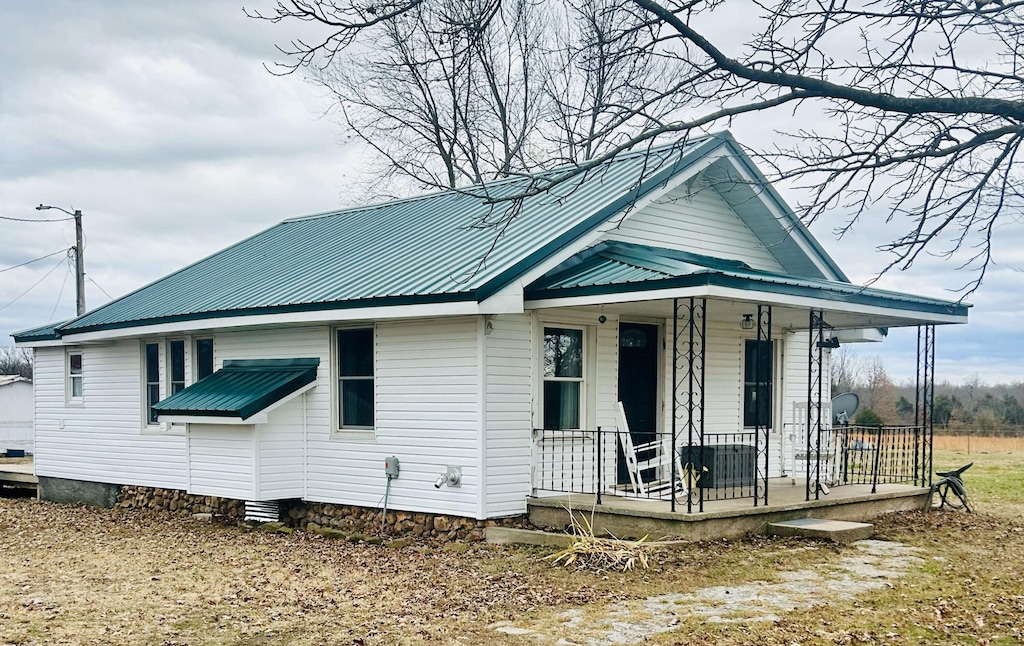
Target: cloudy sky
{"x": 159, "y": 121}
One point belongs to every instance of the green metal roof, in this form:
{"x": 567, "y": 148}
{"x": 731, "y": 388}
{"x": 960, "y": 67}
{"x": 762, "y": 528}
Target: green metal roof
{"x": 434, "y": 248}
{"x": 617, "y": 267}
{"x": 241, "y": 388}
{"x": 46, "y": 332}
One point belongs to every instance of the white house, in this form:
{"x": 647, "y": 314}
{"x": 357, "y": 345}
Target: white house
{"x": 477, "y": 341}
{"x": 16, "y": 412}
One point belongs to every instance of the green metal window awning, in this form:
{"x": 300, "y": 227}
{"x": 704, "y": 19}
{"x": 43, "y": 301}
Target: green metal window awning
{"x": 240, "y": 391}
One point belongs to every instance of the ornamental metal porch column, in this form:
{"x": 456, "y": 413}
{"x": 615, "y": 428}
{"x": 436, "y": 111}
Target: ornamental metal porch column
{"x": 689, "y": 330}
{"x": 762, "y": 397}
{"x": 815, "y": 336}
{"x": 924, "y": 404}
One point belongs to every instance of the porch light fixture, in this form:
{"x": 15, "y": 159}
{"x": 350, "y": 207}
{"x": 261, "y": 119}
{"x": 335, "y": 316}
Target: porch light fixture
{"x": 748, "y": 322}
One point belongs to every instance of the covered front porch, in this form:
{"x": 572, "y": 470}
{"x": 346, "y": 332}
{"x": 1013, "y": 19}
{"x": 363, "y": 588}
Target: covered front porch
{"x": 721, "y": 406}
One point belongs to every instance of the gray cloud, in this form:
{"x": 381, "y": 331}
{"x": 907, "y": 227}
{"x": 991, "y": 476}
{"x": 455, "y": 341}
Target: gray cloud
{"x": 159, "y": 121}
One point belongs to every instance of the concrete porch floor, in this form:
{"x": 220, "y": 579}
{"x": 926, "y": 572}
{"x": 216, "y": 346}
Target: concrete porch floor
{"x": 636, "y": 517}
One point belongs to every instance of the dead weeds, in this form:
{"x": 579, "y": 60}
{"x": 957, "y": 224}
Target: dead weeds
{"x": 85, "y": 576}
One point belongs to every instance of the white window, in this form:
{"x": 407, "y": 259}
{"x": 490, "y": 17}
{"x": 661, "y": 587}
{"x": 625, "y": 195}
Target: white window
{"x": 203, "y": 358}
{"x": 151, "y": 376}
{"x": 563, "y": 371}
{"x": 74, "y": 385}
{"x": 176, "y": 367}
{"x": 355, "y": 392}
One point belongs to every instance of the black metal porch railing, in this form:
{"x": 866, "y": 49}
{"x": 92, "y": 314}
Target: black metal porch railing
{"x": 880, "y": 455}
{"x": 723, "y": 468}
{"x": 595, "y": 462}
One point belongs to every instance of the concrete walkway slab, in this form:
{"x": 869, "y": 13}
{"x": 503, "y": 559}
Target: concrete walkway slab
{"x": 840, "y": 531}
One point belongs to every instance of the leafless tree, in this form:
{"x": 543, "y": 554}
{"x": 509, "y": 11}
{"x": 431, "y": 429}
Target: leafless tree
{"x": 847, "y": 370}
{"x": 15, "y": 361}
{"x": 923, "y": 100}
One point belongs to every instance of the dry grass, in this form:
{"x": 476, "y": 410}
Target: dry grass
{"x": 85, "y": 576}
{"x": 967, "y": 444}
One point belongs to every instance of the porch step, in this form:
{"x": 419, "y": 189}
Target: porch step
{"x": 840, "y": 531}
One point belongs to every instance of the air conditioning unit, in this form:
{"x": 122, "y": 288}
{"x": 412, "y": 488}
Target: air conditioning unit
{"x": 728, "y": 465}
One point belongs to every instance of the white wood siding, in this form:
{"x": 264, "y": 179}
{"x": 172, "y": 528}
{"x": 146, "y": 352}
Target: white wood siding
{"x": 699, "y": 222}
{"x": 221, "y": 461}
{"x": 723, "y": 382}
{"x": 427, "y": 383}
{"x": 508, "y": 391}
{"x": 101, "y": 440}
{"x": 280, "y": 446}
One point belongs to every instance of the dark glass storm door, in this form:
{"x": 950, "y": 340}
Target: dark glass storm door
{"x": 638, "y": 386}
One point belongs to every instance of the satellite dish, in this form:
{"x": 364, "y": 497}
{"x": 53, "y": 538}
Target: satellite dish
{"x": 844, "y": 407}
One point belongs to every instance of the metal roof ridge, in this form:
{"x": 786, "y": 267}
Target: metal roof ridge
{"x": 467, "y": 190}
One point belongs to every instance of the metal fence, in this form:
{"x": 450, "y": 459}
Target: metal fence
{"x": 604, "y": 461}
{"x": 880, "y": 455}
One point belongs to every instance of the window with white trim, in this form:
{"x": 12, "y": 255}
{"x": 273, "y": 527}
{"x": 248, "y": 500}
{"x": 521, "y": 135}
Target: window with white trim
{"x": 355, "y": 378}
{"x": 757, "y": 396}
{"x": 563, "y": 378}
{"x": 203, "y": 358}
{"x": 176, "y": 359}
{"x": 74, "y": 378}
{"x": 151, "y": 374}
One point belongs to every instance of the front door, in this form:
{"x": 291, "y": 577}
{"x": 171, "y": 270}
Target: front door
{"x": 638, "y": 385}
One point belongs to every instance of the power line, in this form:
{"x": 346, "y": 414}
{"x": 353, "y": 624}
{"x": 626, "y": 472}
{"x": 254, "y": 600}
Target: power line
{"x": 4, "y": 217}
{"x": 54, "y": 268}
{"x": 35, "y": 260}
{"x": 60, "y": 293}
{"x": 89, "y": 278}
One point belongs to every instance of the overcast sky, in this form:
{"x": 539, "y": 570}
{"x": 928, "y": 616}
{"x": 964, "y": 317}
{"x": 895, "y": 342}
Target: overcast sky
{"x": 159, "y": 121}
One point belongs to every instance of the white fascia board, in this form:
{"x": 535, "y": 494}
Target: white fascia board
{"x": 733, "y": 294}
{"x": 426, "y": 310}
{"x": 780, "y": 217}
{"x": 508, "y": 300}
{"x": 258, "y": 418}
{"x": 51, "y": 343}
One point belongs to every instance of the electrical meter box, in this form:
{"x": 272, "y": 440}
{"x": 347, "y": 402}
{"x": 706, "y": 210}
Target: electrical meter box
{"x": 391, "y": 466}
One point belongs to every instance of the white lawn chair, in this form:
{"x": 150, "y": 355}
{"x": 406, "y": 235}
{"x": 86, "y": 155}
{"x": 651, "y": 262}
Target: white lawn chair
{"x": 799, "y": 458}
{"x": 651, "y": 476}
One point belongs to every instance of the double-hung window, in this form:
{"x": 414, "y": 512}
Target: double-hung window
{"x": 563, "y": 377}
{"x": 74, "y": 380}
{"x": 355, "y": 378}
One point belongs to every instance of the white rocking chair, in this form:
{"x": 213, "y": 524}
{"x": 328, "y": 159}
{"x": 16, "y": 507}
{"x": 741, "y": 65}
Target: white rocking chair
{"x": 651, "y": 476}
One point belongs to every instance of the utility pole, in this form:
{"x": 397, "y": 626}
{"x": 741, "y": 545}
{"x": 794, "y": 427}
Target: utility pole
{"x": 79, "y": 256}
{"x": 79, "y": 264}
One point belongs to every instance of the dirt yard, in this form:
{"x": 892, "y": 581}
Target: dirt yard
{"x": 73, "y": 575}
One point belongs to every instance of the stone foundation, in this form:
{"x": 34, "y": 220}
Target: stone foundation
{"x": 364, "y": 520}
{"x": 315, "y": 515}
{"x": 176, "y": 500}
